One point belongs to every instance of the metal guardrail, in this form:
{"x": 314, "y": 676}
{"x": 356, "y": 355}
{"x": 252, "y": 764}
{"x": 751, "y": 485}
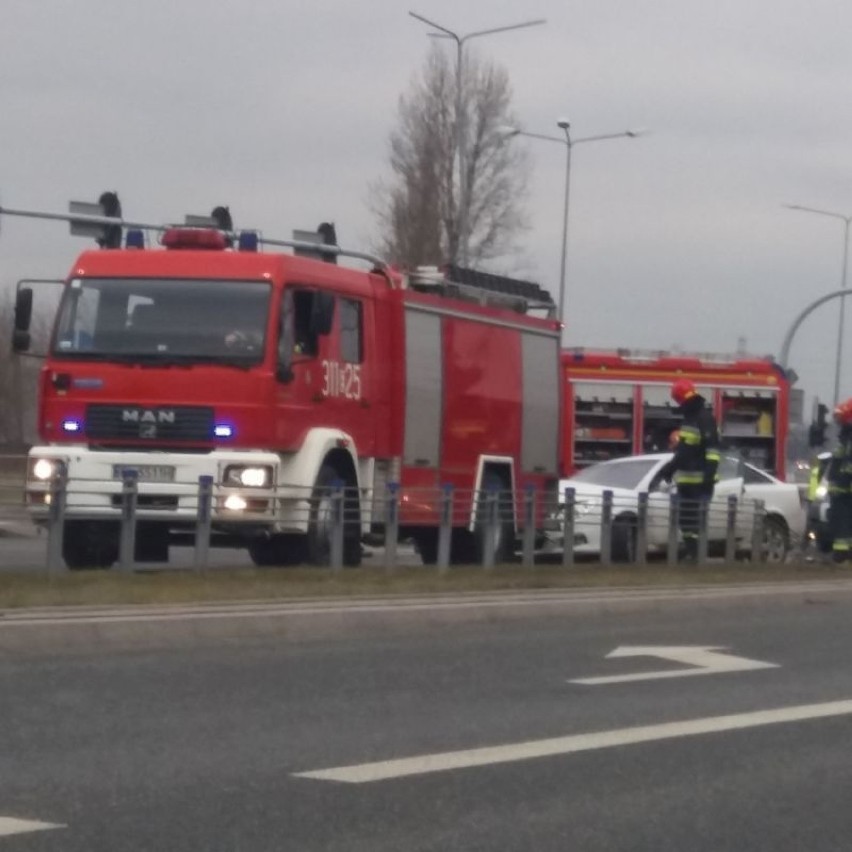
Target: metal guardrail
{"x": 542, "y": 525}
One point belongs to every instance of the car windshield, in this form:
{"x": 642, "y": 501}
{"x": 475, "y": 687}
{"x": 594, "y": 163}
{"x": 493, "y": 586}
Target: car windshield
{"x": 163, "y": 320}
{"x": 617, "y": 474}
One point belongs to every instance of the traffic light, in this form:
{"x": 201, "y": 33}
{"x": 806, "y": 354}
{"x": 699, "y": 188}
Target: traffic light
{"x": 111, "y": 206}
{"x": 328, "y": 234}
{"x": 817, "y": 429}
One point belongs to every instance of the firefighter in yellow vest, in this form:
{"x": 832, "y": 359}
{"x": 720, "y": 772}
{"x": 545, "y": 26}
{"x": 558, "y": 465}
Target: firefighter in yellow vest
{"x": 695, "y": 462}
{"x": 840, "y": 486}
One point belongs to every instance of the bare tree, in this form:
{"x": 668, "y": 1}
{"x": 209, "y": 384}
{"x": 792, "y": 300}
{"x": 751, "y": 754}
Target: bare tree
{"x": 417, "y": 207}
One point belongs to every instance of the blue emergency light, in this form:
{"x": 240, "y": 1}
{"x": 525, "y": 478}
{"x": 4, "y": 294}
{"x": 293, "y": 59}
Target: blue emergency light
{"x": 248, "y": 241}
{"x": 135, "y": 239}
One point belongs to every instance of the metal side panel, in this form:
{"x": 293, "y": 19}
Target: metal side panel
{"x": 540, "y": 421}
{"x": 423, "y": 389}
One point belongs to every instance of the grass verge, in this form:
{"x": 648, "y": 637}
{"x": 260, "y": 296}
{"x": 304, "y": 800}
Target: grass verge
{"x": 100, "y": 588}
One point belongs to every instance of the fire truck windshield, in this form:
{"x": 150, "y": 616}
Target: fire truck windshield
{"x": 165, "y": 321}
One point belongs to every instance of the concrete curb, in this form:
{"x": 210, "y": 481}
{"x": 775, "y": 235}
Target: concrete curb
{"x": 148, "y": 627}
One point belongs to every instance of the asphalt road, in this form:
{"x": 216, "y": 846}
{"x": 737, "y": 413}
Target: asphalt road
{"x": 29, "y": 553}
{"x": 207, "y": 747}
{"x": 26, "y": 550}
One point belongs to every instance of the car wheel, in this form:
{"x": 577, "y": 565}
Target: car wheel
{"x": 624, "y": 539}
{"x": 776, "y": 539}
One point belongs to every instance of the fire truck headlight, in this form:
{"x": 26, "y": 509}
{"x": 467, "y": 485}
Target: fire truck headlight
{"x": 235, "y": 503}
{"x": 248, "y": 476}
{"x": 44, "y": 469}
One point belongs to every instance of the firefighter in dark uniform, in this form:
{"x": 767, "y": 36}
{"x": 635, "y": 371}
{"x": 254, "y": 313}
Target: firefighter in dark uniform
{"x": 695, "y": 462}
{"x": 840, "y": 486}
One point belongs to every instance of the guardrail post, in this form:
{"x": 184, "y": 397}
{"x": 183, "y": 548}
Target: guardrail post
{"x": 490, "y": 531}
{"x": 336, "y": 555}
{"x": 674, "y": 522}
{"x": 757, "y": 554}
{"x": 391, "y": 524}
{"x": 129, "y": 499}
{"x": 445, "y": 531}
{"x": 568, "y": 527}
{"x": 56, "y": 519}
{"x": 606, "y": 528}
{"x": 731, "y": 529}
{"x": 203, "y": 521}
{"x": 529, "y": 527}
{"x": 641, "y": 555}
{"x": 703, "y": 509}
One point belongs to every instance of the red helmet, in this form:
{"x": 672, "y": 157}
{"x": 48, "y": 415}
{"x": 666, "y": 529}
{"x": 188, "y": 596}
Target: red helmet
{"x": 682, "y": 390}
{"x": 843, "y": 412}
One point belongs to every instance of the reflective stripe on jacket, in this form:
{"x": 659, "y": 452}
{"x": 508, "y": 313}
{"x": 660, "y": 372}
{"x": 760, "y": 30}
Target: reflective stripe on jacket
{"x": 840, "y": 471}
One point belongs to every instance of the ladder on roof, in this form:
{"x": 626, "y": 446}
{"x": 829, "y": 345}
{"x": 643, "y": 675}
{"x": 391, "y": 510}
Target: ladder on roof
{"x": 484, "y": 288}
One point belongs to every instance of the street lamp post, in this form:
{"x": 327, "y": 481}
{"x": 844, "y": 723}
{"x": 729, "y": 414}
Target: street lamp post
{"x": 569, "y": 143}
{"x": 461, "y": 146}
{"x": 843, "y": 284}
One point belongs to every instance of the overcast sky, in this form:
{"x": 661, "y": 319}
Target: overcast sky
{"x": 282, "y": 110}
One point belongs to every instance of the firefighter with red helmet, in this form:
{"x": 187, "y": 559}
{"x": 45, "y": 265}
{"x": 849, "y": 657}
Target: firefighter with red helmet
{"x": 695, "y": 461}
{"x": 840, "y": 486}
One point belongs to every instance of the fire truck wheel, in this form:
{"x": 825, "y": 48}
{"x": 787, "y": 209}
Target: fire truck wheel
{"x": 277, "y": 551}
{"x": 319, "y": 527}
{"x": 624, "y": 539}
{"x": 89, "y": 544}
{"x": 426, "y": 543}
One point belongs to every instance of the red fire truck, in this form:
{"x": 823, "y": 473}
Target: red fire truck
{"x": 617, "y": 404}
{"x": 276, "y": 373}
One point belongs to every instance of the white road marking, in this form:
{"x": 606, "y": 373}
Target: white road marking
{"x": 705, "y": 661}
{"x": 10, "y": 825}
{"x": 442, "y": 762}
{"x": 310, "y": 609}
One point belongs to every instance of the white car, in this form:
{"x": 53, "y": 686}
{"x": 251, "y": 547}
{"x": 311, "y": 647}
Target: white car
{"x": 628, "y": 477}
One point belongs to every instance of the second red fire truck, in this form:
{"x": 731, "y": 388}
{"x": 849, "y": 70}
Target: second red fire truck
{"x": 617, "y": 403}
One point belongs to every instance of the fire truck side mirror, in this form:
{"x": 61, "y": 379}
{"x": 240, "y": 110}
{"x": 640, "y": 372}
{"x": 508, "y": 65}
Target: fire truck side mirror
{"x": 23, "y": 309}
{"x": 23, "y": 317}
{"x": 322, "y": 312}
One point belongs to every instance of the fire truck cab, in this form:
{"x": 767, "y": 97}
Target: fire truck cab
{"x": 278, "y": 375}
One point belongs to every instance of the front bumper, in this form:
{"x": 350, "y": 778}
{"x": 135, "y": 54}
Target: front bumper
{"x": 167, "y": 489}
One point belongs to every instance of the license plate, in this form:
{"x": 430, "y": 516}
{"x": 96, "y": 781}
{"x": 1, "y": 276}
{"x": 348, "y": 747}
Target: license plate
{"x": 146, "y": 472}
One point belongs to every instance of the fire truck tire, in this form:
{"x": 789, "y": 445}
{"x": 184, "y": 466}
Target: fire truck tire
{"x": 426, "y": 543}
{"x": 319, "y": 526}
{"x": 277, "y": 551}
{"x": 90, "y": 544}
